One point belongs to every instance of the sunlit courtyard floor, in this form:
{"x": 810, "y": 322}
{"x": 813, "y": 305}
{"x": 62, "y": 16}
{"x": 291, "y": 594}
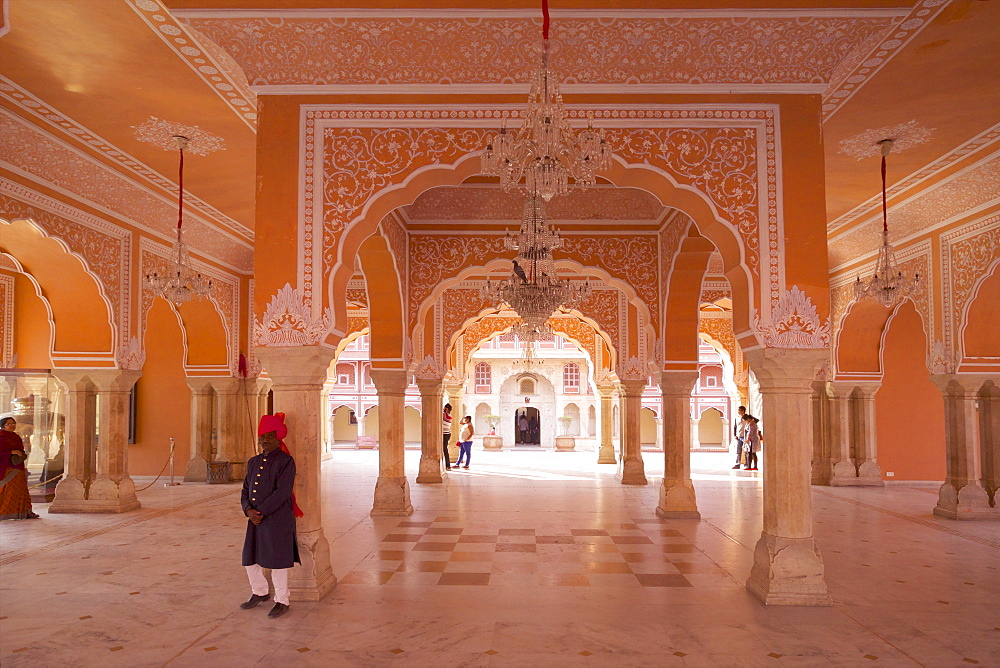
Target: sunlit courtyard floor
{"x": 527, "y": 558}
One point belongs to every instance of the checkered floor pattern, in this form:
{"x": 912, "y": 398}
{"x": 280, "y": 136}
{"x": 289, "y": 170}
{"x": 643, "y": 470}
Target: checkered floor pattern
{"x": 448, "y": 551}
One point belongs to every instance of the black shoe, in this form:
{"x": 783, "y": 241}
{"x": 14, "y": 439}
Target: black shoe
{"x": 278, "y": 610}
{"x": 254, "y": 601}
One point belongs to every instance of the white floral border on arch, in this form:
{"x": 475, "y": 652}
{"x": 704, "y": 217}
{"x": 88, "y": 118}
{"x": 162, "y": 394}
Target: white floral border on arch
{"x": 314, "y": 119}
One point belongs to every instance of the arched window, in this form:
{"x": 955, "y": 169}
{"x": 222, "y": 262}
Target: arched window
{"x": 571, "y": 379}
{"x": 484, "y": 378}
{"x": 527, "y": 386}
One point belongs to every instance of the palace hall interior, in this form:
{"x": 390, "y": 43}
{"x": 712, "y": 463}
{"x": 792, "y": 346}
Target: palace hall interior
{"x": 599, "y": 229}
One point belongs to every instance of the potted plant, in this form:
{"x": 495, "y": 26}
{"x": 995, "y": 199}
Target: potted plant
{"x": 492, "y": 441}
{"x": 565, "y": 442}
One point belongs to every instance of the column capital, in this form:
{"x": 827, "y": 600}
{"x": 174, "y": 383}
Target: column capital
{"x": 199, "y": 384}
{"x": 786, "y": 369}
{"x": 678, "y": 382}
{"x": 959, "y": 384}
{"x": 225, "y": 384}
{"x": 390, "y": 382}
{"x": 845, "y": 387}
{"x": 103, "y": 379}
{"x": 632, "y": 388}
{"x": 605, "y": 391}
{"x": 430, "y": 385}
{"x": 296, "y": 365}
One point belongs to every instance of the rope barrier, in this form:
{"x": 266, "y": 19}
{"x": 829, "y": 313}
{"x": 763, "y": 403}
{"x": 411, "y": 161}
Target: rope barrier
{"x": 46, "y": 482}
{"x": 169, "y": 457}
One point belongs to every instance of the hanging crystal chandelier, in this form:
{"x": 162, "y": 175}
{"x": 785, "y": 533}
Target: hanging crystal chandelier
{"x": 182, "y": 282}
{"x": 534, "y": 289}
{"x": 546, "y": 151}
{"x": 888, "y": 284}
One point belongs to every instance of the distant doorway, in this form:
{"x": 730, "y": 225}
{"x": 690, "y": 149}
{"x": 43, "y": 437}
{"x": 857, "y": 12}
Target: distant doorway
{"x": 527, "y": 427}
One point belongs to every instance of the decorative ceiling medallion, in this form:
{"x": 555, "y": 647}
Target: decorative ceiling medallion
{"x": 903, "y": 136}
{"x": 159, "y": 132}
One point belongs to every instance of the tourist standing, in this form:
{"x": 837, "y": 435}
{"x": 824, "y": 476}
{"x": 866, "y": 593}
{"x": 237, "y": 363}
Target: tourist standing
{"x": 751, "y": 442}
{"x": 15, "y": 500}
{"x": 446, "y": 427}
{"x": 738, "y": 428}
{"x": 465, "y": 441}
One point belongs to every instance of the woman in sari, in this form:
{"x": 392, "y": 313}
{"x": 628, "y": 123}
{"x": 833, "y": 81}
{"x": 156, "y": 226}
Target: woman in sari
{"x": 15, "y": 501}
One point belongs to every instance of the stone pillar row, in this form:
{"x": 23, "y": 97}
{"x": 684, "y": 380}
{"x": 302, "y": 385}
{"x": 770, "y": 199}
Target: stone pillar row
{"x": 223, "y": 422}
{"x": 971, "y": 447}
{"x": 96, "y": 481}
{"x": 431, "y": 434}
{"x": 851, "y": 430}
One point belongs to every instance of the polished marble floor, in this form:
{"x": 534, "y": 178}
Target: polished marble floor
{"x": 525, "y": 559}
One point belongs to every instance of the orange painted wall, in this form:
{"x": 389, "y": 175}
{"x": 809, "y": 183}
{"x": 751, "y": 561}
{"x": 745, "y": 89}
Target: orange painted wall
{"x": 164, "y": 400}
{"x": 910, "y": 410}
{"x": 982, "y": 334}
{"x": 860, "y": 338}
{"x": 31, "y": 326}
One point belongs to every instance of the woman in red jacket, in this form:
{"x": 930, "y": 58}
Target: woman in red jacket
{"x": 15, "y": 501}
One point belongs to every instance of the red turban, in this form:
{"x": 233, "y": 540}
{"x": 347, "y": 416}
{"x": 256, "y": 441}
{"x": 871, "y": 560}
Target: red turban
{"x": 275, "y": 423}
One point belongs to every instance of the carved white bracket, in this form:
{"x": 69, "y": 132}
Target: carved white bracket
{"x": 131, "y": 356}
{"x": 941, "y": 360}
{"x": 288, "y": 321}
{"x": 430, "y": 369}
{"x": 794, "y": 323}
{"x": 634, "y": 369}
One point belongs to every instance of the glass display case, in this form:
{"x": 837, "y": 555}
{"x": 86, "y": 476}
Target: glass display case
{"x": 35, "y": 400}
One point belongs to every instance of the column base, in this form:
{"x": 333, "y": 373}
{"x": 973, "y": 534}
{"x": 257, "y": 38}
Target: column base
{"x": 430, "y": 470}
{"x": 196, "y": 470}
{"x": 606, "y": 455}
{"x": 788, "y": 571}
{"x": 678, "y": 500}
{"x": 971, "y": 502}
{"x": 392, "y": 496}
{"x": 845, "y": 475}
{"x": 633, "y": 472}
{"x": 313, "y": 578}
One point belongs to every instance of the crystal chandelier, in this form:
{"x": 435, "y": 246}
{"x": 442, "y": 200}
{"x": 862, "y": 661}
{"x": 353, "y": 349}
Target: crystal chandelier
{"x": 534, "y": 289}
{"x": 546, "y": 151}
{"x": 888, "y": 284}
{"x": 182, "y": 282}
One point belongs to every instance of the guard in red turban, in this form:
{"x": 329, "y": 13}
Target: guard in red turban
{"x": 269, "y": 504}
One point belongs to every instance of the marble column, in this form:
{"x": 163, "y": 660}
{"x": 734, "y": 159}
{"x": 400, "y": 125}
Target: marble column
{"x": 962, "y": 496}
{"x": 457, "y": 413}
{"x": 866, "y": 434}
{"x": 633, "y": 470}
{"x": 821, "y": 458}
{"x": 677, "y": 495}
{"x": 989, "y": 437}
{"x": 606, "y": 453}
{"x": 225, "y": 422}
{"x": 787, "y": 567}
{"x": 109, "y": 489}
{"x": 392, "y": 491}
{"x": 843, "y": 471}
{"x": 201, "y": 429}
{"x": 694, "y": 436}
{"x": 81, "y": 430}
{"x": 298, "y": 374}
{"x": 431, "y": 401}
{"x": 328, "y": 422}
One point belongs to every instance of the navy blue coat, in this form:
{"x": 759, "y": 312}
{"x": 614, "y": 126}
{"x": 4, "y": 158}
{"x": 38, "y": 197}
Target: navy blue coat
{"x": 268, "y": 488}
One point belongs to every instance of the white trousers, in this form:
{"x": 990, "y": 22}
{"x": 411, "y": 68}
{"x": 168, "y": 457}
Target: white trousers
{"x": 258, "y": 583}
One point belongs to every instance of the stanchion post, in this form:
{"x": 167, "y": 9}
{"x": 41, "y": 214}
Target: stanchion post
{"x": 171, "y": 483}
